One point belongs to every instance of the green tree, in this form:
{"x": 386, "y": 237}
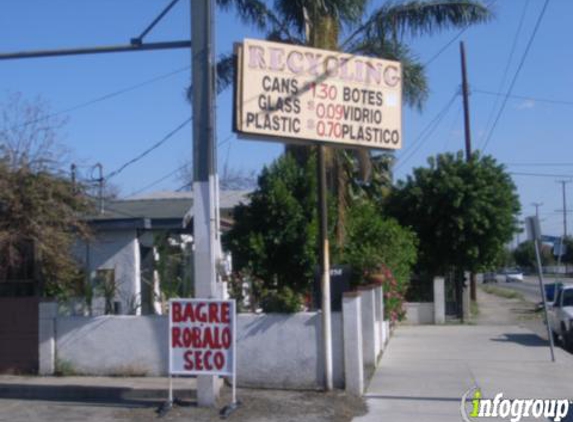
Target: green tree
{"x": 380, "y": 31}
{"x": 274, "y": 236}
{"x": 39, "y": 208}
{"x": 524, "y": 255}
{"x": 463, "y": 212}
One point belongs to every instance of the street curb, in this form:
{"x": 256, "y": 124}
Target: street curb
{"x": 53, "y": 392}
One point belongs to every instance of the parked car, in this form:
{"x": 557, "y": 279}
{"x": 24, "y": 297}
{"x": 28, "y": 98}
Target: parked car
{"x": 560, "y": 316}
{"x": 489, "y": 278}
{"x": 512, "y": 274}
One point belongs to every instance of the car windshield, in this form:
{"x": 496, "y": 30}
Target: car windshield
{"x": 568, "y": 297}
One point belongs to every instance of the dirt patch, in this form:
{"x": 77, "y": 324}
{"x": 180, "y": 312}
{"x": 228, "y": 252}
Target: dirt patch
{"x": 506, "y": 309}
{"x": 265, "y": 405}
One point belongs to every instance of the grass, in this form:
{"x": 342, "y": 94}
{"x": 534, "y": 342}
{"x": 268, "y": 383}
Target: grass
{"x": 64, "y": 368}
{"x": 474, "y": 308}
{"x": 501, "y": 292}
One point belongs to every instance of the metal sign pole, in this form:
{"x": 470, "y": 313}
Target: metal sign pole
{"x": 544, "y": 299}
{"x": 325, "y": 267}
{"x": 534, "y": 233}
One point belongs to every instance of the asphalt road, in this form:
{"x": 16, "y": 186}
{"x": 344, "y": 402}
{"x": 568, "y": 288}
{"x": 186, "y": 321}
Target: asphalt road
{"x": 529, "y": 287}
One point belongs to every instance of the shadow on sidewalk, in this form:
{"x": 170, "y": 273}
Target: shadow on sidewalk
{"x": 531, "y": 340}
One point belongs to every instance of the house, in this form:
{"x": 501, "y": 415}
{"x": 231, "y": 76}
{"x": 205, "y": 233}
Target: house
{"x": 142, "y": 246}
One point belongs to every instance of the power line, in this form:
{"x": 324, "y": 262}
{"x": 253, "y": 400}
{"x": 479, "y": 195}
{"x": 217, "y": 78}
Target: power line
{"x": 173, "y": 172}
{"x": 110, "y": 95}
{"x": 426, "y": 132}
{"x": 516, "y": 75}
{"x": 523, "y": 97}
{"x": 150, "y": 149}
{"x": 156, "y": 182}
{"x": 540, "y": 164}
{"x": 513, "y": 173}
{"x": 453, "y": 40}
{"x": 507, "y": 64}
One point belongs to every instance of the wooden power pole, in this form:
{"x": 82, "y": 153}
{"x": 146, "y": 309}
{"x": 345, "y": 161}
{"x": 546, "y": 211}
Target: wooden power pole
{"x": 468, "y": 138}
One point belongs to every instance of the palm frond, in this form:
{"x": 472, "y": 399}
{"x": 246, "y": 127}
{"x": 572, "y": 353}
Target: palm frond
{"x": 347, "y": 12}
{"x": 420, "y": 17}
{"x": 253, "y": 12}
{"x": 415, "y": 83}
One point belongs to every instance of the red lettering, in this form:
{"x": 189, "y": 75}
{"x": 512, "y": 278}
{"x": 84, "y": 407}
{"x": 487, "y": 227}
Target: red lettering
{"x": 176, "y": 311}
{"x": 176, "y": 337}
{"x": 208, "y": 340}
{"x": 199, "y": 315}
{"x": 187, "y": 356}
{"x": 219, "y": 360}
{"x": 196, "y": 335}
{"x": 198, "y": 361}
{"x": 226, "y": 338}
{"x": 207, "y": 361}
{"x": 213, "y": 308}
{"x": 188, "y": 313}
{"x": 225, "y": 313}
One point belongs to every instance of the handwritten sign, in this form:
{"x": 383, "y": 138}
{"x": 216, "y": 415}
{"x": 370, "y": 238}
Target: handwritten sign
{"x": 202, "y": 337}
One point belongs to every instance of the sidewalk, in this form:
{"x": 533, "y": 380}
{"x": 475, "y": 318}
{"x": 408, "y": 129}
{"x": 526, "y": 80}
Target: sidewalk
{"x": 426, "y": 370}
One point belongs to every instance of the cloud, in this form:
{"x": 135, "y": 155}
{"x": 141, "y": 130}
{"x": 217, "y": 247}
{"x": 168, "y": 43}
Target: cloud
{"x": 525, "y": 105}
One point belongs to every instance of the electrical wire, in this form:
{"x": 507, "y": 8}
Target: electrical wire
{"x": 454, "y": 39}
{"x": 454, "y": 122}
{"x": 541, "y": 164}
{"x": 173, "y": 172}
{"x": 516, "y": 74}
{"x": 541, "y": 175}
{"x": 108, "y": 96}
{"x": 150, "y": 149}
{"x": 507, "y": 65}
{"x": 523, "y": 97}
{"x": 426, "y": 133}
{"x": 156, "y": 182}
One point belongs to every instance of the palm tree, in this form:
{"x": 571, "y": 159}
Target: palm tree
{"x": 378, "y": 32}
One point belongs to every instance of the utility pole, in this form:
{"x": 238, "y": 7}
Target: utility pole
{"x": 563, "y": 184}
{"x": 206, "y": 237}
{"x": 465, "y": 95}
{"x": 467, "y": 131}
{"x": 100, "y": 181}
{"x": 537, "y": 205}
{"x": 73, "y": 170}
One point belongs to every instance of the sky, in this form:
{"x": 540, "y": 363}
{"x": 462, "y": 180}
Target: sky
{"x": 531, "y": 136}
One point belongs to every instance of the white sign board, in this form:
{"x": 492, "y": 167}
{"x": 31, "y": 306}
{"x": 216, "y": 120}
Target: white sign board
{"x": 202, "y": 337}
{"x": 299, "y": 93}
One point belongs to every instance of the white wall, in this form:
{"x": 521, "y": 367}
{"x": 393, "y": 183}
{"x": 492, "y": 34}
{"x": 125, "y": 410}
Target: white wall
{"x": 118, "y": 250}
{"x": 419, "y": 313}
{"x": 274, "y": 350}
{"x": 113, "y": 345}
{"x": 285, "y": 351}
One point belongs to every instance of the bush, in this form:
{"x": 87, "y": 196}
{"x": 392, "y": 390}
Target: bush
{"x": 281, "y": 300}
{"x": 380, "y": 251}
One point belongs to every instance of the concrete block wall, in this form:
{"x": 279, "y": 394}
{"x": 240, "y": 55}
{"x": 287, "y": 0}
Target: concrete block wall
{"x": 418, "y": 313}
{"x": 274, "y": 350}
{"x": 366, "y": 335}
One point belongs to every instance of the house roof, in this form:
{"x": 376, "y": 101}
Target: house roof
{"x": 162, "y": 209}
